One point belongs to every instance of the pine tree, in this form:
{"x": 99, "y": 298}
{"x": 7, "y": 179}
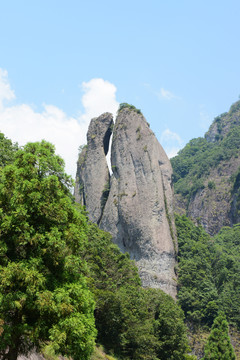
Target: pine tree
{"x": 218, "y": 345}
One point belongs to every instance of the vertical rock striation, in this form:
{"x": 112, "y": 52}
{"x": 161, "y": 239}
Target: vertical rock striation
{"x": 138, "y": 211}
{"x": 92, "y": 183}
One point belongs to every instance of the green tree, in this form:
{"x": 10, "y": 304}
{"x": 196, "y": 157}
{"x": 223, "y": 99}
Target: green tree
{"x": 169, "y": 328}
{"x": 132, "y": 322}
{"x": 208, "y": 272}
{"x": 218, "y": 345}
{"x": 7, "y": 150}
{"x": 197, "y": 293}
{"x": 44, "y": 297}
{"x": 193, "y": 164}
{"x": 141, "y": 324}
{"x": 128, "y": 106}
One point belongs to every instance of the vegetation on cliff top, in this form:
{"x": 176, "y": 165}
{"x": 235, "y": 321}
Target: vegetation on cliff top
{"x": 128, "y": 106}
{"x": 195, "y": 161}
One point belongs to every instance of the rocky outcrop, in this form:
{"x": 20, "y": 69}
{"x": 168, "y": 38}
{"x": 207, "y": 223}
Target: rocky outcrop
{"x": 218, "y": 206}
{"x": 34, "y": 356}
{"x": 138, "y": 211}
{"x": 223, "y": 123}
{"x": 92, "y": 180}
{"x": 216, "y": 202}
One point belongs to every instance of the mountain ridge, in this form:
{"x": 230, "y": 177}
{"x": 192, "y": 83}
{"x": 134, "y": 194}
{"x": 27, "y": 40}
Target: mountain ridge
{"x": 206, "y": 174}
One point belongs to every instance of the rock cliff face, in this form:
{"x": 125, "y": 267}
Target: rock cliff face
{"x": 216, "y": 203}
{"x": 223, "y": 123}
{"x": 213, "y": 207}
{"x": 34, "y": 356}
{"x": 136, "y": 206}
{"x": 92, "y": 183}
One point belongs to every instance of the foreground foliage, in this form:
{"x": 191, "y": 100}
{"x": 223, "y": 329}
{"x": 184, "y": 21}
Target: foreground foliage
{"x": 56, "y": 268}
{"x": 7, "y": 150}
{"x": 132, "y": 322}
{"x": 43, "y": 292}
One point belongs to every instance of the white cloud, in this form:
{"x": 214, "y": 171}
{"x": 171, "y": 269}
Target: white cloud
{"x": 172, "y": 151}
{"x": 22, "y": 124}
{"x": 205, "y": 119}
{"x": 166, "y": 94}
{"x": 163, "y": 94}
{"x": 5, "y": 90}
{"x": 171, "y": 142}
{"x": 99, "y": 97}
{"x": 168, "y": 135}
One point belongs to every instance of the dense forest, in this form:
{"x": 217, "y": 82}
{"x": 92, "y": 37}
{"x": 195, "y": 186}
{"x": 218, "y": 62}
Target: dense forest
{"x": 66, "y": 289}
{"x": 63, "y": 284}
{"x": 196, "y": 160}
{"x": 206, "y": 183}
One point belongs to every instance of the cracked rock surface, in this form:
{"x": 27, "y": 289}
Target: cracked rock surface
{"x": 138, "y": 204}
{"x": 92, "y": 179}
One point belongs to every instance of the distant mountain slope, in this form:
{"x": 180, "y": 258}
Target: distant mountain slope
{"x": 207, "y": 174}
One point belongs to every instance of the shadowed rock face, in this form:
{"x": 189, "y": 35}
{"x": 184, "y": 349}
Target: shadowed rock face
{"x": 138, "y": 211}
{"x": 92, "y": 183}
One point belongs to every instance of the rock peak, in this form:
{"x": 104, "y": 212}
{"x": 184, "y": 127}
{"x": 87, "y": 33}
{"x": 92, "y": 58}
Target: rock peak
{"x": 92, "y": 179}
{"x": 138, "y": 208}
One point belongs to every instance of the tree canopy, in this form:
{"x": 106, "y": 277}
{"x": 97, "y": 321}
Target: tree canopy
{"x": 196, "y": 160}
{"x": 61, "y": 277}
{"x": 7, "y": 150}
{"x": 43, "y": 289}
{"x": 132, "y": 322}
{"x": 209, "y": 273}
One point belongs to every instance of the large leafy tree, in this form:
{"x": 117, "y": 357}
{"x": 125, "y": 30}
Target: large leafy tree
{"x": 7, "y": 150}
{"x": 218, "y": 345}
{"x": 43, "y": 291}
{"x": 139, "y": 323}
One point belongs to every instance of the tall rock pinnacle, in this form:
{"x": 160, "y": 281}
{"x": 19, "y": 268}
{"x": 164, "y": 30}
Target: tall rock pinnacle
{"x": 138, "y": 205}
{"x": 92, "y": 183}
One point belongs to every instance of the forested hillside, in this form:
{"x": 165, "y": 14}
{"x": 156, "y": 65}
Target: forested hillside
{"x": 206, "y": 174}
{"x": 206, "y": 183}
{"x": 208, "y": 279}
{"x": 63, "y": 284}
{"x": 66, "y": 289}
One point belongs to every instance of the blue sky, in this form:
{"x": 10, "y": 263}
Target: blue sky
{"x": 63, "y": 62}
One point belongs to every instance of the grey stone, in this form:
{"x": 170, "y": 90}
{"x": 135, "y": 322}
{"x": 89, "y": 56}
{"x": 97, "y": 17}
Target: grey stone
{"x": 139, "y": 207}
{"x": 31, "y": 356}
{"x": 217, "y": 206}
{"x": 92, "y": 183}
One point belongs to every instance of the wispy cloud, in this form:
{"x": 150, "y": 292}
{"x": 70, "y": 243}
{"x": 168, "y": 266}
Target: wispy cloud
{"x": 6, "y": 93}
{"x": 166, "y": 94}
{"x": 163, "y": 94}
{"x": 22, "y": 124}
{"x": 205, "y": 118}
{"x": 171, "y": 142}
